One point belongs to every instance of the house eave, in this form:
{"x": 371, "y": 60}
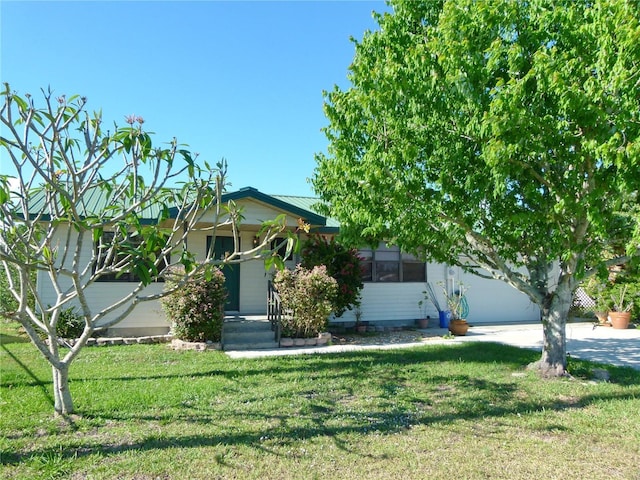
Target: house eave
{"x": 251, "y": 193}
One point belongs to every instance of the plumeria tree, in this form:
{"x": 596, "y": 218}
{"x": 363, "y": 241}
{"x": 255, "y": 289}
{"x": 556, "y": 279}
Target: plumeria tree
{"x": 62, "y": 159}
{"x": 499, "y": 135}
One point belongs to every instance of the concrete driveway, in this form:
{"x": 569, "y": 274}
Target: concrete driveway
{"x": 599, "y": 344}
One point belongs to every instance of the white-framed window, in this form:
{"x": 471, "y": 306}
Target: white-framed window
{"x": 389, "y": 264}
{"x": 106, "y": 240}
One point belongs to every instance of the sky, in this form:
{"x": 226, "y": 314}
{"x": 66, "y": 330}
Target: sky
{"x": 234, "y": 79}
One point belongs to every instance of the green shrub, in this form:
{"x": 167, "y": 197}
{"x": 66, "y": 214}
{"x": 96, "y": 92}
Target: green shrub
{"x": 7, "y": 301}
{"x": 604, "y": 292}
{"x": 196, "y": 309}
{"x": 310, "y": 296}
{"x": 70, "y": 324}
{"x": 342, "y": 263}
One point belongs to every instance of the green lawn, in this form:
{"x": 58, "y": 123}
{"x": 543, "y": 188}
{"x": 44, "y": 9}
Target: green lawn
{"x": 437, "y": 411}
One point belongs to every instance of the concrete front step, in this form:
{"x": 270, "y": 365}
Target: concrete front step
{"x": 250, "y": 346}
{"x": 244, "y": 334}
{"x": 248, "y": 337}
{"x": 247, "y": 326}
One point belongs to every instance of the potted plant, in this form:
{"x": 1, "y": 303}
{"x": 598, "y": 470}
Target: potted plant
{"x": 430, "y": 297}
{"x": 620, "y": 314}
{"x": 600, "y": 294}
{"x": 360, "y": 326}
{"x": 457, "y": 304}
{"x": 423, "y": 320}
{"x": 603, "y": 307}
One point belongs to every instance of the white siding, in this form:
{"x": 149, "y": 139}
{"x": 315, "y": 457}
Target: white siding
{"x": 393, "y": 301}
{"x": 255, "y": 213}
{"x": 145, "y": 314}
{"x": 494, "y": 301}
{"x": 490, "y": 301}
{"x": 101, "y": 295}
{"x": 253, "y": 287}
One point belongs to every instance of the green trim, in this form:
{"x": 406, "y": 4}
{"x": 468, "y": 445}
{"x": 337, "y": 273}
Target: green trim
{"x": 250, "y": 192}
{"x": 298, "y": 206}
{"x": 325, "y": 230}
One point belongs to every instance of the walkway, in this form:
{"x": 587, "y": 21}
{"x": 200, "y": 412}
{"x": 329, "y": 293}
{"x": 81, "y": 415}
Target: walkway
{"x": 600, "y": 344}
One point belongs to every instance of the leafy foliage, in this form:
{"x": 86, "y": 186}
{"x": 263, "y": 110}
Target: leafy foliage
{"x": 620, "y": 291}
{"x": 80, "y": 203}
{"x": 309, "y": 295}
{"x": 499, "y": 134}
{"x": 196, "y": 308}
{"x": 342, "y": 263}
{"x": 9, "y": 277}
{"x": 70, "y": 323}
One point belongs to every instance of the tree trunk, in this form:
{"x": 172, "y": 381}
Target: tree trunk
{"x": 62, "y": 395}
{"x": 555, "y": 312}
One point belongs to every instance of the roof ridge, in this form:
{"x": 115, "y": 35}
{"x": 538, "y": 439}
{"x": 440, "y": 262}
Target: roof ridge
{"x": 289, "y": 195}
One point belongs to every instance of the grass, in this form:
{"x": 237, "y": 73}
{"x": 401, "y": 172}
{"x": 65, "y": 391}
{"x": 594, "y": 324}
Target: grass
{"x": 465, "y": 411}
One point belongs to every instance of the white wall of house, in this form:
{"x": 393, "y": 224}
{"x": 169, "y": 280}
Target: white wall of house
{"x": 396, "y": 302}
{"x": 490, "y": 301}
{"x": 146, "y": 316}
{"x": 255, "y": 213}
{"x": 253, "y": 288}
{"x": 494, "y": 301}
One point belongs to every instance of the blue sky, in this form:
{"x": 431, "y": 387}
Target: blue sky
{"x": 240, "y": 80}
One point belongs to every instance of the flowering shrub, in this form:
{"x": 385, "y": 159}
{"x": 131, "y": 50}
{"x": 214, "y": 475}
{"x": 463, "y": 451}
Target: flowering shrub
{"x": 342, "y": 263}
{"x": 310, "y": 296}
{"x": 196, "y": 309}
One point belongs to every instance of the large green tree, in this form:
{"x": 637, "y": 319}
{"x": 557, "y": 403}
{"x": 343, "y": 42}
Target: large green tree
{"x": 499, "y": 134}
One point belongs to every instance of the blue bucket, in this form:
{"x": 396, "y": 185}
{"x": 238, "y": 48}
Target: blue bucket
{"x": 445, "y": 316}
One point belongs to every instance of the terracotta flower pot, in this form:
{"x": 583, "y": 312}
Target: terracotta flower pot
{"x": 603, "y": 318}
{"x": 423, "y": 322}
{"x": 620, "y": 320}
{"x": 458, "y": 327}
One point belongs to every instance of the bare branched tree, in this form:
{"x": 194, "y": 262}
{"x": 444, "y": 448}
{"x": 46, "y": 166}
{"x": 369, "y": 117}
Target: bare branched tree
{"x": 62, "y": 161}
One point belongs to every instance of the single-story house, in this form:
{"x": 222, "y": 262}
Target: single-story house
{"x": 394, "y": 281}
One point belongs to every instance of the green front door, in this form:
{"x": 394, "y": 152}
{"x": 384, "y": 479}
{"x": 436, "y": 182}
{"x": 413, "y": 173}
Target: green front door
{"x": 222, "y": 246}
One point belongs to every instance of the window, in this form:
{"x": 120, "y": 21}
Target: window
{"x": 134, "y": 241}
{"x": 282, "y": 251}
{"x": 413, "y": 270}
{"x": 388, "y": 264}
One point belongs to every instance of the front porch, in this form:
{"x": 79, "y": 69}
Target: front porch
{"x": 248, "y": 332}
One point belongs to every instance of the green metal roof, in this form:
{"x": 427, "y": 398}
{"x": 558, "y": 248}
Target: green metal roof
{"x": 309, "y": 204}
{"x": 96, "y": 202}
{"x": 278, "y": 202}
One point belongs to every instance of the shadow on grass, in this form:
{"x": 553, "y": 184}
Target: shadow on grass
{"x": 442, "y": 399}
{"x": 342, "y": 364}
{"x": 41, "y": 384}
{"x": 322, "y": 423}
{"x": 351, "y": 362}
{"x": 7, "y": 339}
